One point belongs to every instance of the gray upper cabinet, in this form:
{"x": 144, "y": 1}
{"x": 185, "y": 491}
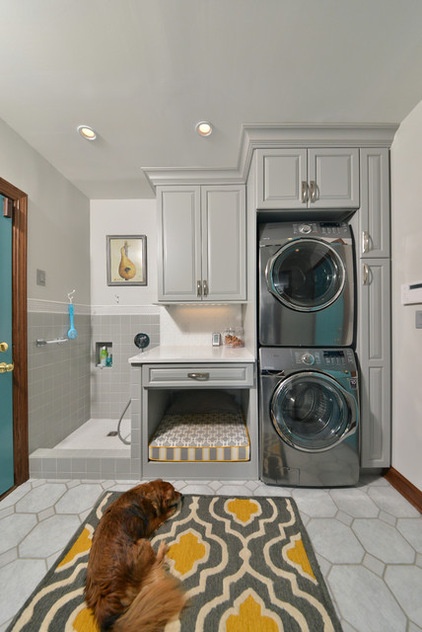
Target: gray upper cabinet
{"x": 202, "y": 243}
{"x": 373, "y": 239}
{"x": 307, "y": 178}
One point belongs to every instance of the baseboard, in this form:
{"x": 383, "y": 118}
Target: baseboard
{"x": 405, "y": 487}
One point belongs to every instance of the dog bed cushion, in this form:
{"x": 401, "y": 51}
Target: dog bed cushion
{"x": 199, "y": 429}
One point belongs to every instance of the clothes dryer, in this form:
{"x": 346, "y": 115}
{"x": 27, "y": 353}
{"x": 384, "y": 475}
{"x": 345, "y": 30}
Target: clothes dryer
{"x": 306, "y": 284}
{"x": 309, "y": 417}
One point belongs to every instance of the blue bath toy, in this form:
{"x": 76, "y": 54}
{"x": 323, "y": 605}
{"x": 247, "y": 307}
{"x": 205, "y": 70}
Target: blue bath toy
{"x": 72, "y": 333}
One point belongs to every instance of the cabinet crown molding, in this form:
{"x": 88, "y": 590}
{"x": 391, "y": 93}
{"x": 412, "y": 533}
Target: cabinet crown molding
{"x": 266, "y": 135}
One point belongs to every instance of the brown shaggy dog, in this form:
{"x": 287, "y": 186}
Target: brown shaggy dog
{"x": 127, "y": 587}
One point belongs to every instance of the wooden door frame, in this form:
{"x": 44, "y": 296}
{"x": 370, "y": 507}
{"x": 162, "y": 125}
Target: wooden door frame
{"x": 19, "y": 329}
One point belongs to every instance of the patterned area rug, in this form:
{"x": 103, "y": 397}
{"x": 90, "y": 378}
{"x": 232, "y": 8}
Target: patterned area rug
{"x": 246, "y": 563}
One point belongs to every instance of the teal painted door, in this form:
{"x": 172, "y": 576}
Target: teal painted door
{"x": 6, "y": 378}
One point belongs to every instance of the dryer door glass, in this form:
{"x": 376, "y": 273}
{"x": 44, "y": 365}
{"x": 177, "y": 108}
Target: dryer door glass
{"x": 311, "y": 412}
{"x": 306, "y": 275}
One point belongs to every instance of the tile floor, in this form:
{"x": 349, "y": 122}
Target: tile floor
{"x": 368, "y": 541}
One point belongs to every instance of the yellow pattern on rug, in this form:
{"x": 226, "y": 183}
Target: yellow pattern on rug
{"x": 186, "y": 552}
{"x": 298, "y": 556}
{"x": 84, "y": 622}
{"x": 243, "y": 509}
{"x": 82, "y": 545}
{"x": 251, "y": 618}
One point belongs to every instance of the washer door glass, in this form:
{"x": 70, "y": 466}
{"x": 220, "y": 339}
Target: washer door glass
{"x": 306, "y": 275}
{"x": 311, "y": 412}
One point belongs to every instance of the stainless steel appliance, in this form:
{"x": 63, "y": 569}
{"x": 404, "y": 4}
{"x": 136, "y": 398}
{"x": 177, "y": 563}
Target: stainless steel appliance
{"x": 306, "y": 284}
{"x": 309, "y": 417}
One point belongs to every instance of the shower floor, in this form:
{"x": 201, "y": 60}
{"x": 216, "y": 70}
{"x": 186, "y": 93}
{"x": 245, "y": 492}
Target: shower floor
{"x": 93, "y": 434}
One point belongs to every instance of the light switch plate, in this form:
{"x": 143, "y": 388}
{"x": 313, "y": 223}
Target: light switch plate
{"x": 418, "y": 319}
{"x": 40, "y": 277}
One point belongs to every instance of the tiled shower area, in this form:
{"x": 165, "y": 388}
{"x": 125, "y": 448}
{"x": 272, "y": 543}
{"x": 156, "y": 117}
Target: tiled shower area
{"x": 73, "y": 402}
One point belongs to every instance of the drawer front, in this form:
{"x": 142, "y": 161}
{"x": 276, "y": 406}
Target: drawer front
{"x": 198, "y": 376}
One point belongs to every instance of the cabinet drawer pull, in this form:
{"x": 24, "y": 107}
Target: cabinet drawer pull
{"x": 198, "y": 288}
{"x": 201, "y": 377}
{"x": 365, "y": 241}
{"x": 305, "y": 191}
{"x": 205, "y": 288}
{"x": 365, "y": 274}
{"x": 314, "y": 191}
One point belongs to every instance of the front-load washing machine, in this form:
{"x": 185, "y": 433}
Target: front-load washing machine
{"x": 306, "y": 284}
{"x": 309, "y": 417}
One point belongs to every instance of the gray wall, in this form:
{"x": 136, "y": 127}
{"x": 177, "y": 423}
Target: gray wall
{"x": 58, "y": 378}
{"x": 60, "y": 375}
{"x": 110, "y": 387}
{"x": 406, "y": 161}
{"x": 58, "y": 243}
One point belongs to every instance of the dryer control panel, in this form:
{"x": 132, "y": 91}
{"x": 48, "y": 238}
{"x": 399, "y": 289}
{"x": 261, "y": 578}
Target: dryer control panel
{"x": 325, "y": 358}
{"x": 321, "y": 228}
{"x": 300, "y": 358}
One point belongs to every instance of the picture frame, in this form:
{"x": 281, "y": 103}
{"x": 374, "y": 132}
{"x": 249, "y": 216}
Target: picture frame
{"x": 126, "y": 260}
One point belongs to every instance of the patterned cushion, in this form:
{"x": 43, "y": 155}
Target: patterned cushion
{"x": 215, "y": 436}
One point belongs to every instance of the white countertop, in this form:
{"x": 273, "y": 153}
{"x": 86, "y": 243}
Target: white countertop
{"x": 182, "y": 353}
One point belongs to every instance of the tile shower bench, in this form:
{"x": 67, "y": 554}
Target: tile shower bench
{"x": 194, "y": 413}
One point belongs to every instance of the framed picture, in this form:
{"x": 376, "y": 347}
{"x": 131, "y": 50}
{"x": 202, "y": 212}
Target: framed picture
{"x": 126, "y": 260}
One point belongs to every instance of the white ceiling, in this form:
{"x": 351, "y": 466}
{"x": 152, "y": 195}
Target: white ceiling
{"x": 144, "y": 72}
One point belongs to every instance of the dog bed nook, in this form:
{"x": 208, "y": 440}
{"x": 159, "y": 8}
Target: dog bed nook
{"x": 201, "y": 426}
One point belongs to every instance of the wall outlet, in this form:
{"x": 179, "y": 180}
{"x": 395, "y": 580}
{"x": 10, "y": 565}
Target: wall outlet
{"x": 40, "y": 277}
{"x": 418, "y": 319}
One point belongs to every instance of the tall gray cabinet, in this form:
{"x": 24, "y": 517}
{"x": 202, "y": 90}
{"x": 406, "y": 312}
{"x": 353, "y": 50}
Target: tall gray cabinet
{"x": 373, "y": 342}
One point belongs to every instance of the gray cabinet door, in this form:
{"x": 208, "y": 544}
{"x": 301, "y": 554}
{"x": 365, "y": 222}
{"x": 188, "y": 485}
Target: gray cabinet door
{"x": 307, "y": 178}
{"x": 223, "y": 243}
{"x": 373, "y": 349}
{"x": 202, "y": 243}
{"x": 333, "y": 178}
{"x": 179, "y": 234}
{"x": 282, "y": 178}
{"x": 373, "y": 238}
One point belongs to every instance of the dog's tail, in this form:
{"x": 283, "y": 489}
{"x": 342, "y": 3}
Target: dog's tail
{"x": 159, "y": 601}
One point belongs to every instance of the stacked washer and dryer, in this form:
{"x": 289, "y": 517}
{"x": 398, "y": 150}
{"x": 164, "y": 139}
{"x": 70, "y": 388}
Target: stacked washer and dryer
{"x": 309, "y": 402}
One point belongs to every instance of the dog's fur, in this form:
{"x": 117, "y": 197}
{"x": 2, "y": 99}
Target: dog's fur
{"x": 127, "y": 587}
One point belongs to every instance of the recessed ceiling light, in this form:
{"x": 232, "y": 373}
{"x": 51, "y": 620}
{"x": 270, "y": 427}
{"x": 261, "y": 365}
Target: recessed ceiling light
{"x": 87, "y": 132}
{"x": 204, "y": 128}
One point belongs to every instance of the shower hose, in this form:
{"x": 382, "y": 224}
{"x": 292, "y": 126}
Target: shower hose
{"x": 119, "y": 434}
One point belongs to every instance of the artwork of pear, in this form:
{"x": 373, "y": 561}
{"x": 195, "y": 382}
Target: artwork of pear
{"x": 127, "y": 268}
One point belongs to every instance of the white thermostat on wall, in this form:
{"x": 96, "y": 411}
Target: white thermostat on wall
{"x": 411, "y": 293}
